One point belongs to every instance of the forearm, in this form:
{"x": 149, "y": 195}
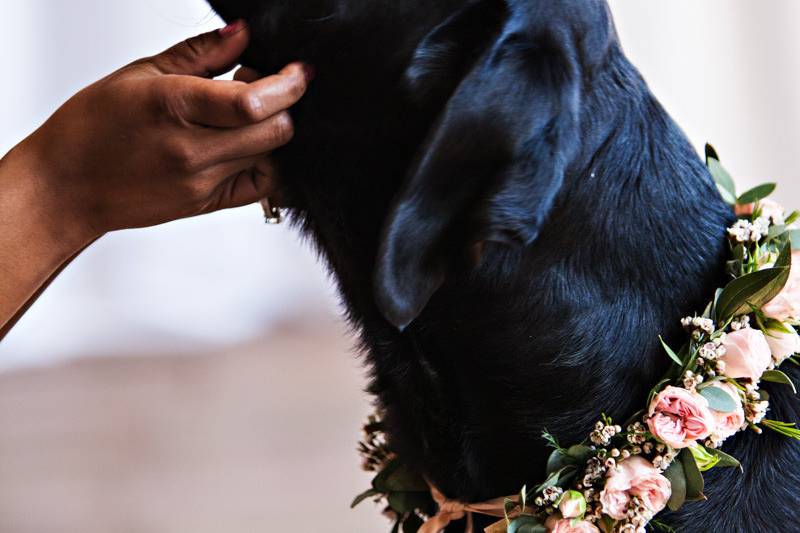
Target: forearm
{"x": 38, "y": 237}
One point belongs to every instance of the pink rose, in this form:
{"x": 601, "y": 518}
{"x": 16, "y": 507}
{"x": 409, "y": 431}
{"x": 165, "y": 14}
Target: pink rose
{"x": 782, "y": 344}
{"x": 728, "y": 424}
{"x": 615, "y": 502}
{"x": 748, "y": 354}
{"x": 564, "y": 525}
{"x": 635, "y": 476}
{"x": 678, "y": 417}
{"x": 786, "y": 304}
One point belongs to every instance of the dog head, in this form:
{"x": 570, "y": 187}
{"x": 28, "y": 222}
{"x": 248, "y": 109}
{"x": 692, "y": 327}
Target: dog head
{"x": 498, "y": 87}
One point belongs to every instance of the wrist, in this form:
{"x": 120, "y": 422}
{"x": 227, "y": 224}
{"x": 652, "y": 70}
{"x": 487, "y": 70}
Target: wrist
{"x": 35, "y": 199}
{"x": 37, "y": 235}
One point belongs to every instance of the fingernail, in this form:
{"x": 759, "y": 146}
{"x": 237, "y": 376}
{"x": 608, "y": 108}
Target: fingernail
{"x": 232, "y": 29}
{"x": 309, "y": 71}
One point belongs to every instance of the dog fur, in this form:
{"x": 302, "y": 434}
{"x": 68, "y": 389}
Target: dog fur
{"x": 512, "y": 219}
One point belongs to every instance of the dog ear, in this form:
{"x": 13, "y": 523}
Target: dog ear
{"x": 493, "y": 163}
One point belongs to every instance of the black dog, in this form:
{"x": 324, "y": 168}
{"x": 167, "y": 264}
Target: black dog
{"x": 513, "y": 219}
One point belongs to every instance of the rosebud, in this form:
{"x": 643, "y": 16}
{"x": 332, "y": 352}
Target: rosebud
{"x": 783, "y": 342}
{"x": 572, "y": 504}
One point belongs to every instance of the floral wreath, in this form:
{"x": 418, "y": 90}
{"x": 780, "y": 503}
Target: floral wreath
{"x": 621, "y": 477}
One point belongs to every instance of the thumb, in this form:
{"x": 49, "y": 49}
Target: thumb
{"x": 207, "y": 55}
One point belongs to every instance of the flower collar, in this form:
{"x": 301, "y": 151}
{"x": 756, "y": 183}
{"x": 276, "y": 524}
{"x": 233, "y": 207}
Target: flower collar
{"x": 622, "y": 476}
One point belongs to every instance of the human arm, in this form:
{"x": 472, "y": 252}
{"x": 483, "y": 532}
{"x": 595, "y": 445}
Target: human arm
{"x": 152, "y": 142}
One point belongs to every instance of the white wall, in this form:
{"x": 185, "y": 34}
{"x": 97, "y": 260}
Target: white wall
{"x": 727, "y": 70}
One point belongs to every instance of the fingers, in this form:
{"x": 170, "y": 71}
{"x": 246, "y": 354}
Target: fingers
{"x": 261, "y": 138}
{"x": 207, "y": 55}
{"x": 230, "y": 104}
{"x": 245, "y": 186}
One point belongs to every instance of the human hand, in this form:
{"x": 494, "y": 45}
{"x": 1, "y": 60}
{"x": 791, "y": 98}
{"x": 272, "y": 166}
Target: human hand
{"x": 158, "y": 140}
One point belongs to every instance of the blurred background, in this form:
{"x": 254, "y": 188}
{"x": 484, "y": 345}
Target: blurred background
{"x": 196, "y": 376}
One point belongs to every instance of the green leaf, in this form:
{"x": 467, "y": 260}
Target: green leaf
{"x": 694, "y": 479}
{"x": 396, "y": 476}
{"x": 754, "y": 290}
{"x": 784, "y": 428}
{"x": 412, "y": 523}
{"x": 774, "y": 326}
{"x": 556, "y": 462}
{"x": 363, "y": 496}
{"x": 793, "y": 216}
{"x": 725, "y": 460}
{"x": 552, "y": 441}
{"x": 718, "y": 399}
{"x": 655, "y": 390}
{"x": 723, "y": 180}
{"x": 555, "y": 478}
{"x": 705, "y": 460}
{"x": 526, "y": 524}
{"x": 794, "y": 237}
{"x": 756, "y": 193}
{"x": 672, "y": 355}
{"x": 776, "y": 376}
{"x": 726, "y": 195}
{"x": 379, "y": 482}
{"x": 776, "y": 231}
{"x": 677, "y": 479}
{"x": 579, "y": 452}
{"x": 661, "y": 526}
{"x": 408, "y": 502}
{"x": 711, "y": 153}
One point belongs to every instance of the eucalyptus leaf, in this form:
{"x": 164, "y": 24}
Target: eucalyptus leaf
{"x": 672, "y": 355}
{"x": 723, "y": 180}
{"x": 555, "y": 478}
{"x": 694, "y": 479}
{"x": 726, "y": 195}
{"x": 776, "y": 231}
{"x": 556, "y": 462}
{"x": 379, "y": 482}
{"x": 579, "y": 452}
{"x": 794, "y": 236}
{"x": 776, "y": 376}
{"x": 396, "y": 476}
{"x": 526, "y": 524}
{"x": 756, "y": 193}
{"x": 754, "y": 290}
{"x": 363, "y": 496}
{"x": 677, "y": 479}
{"x": 718, "y": 399}
{"x": 711, "y": 153}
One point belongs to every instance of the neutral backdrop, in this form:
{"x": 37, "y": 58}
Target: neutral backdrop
{"x": 194, "y": 376}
